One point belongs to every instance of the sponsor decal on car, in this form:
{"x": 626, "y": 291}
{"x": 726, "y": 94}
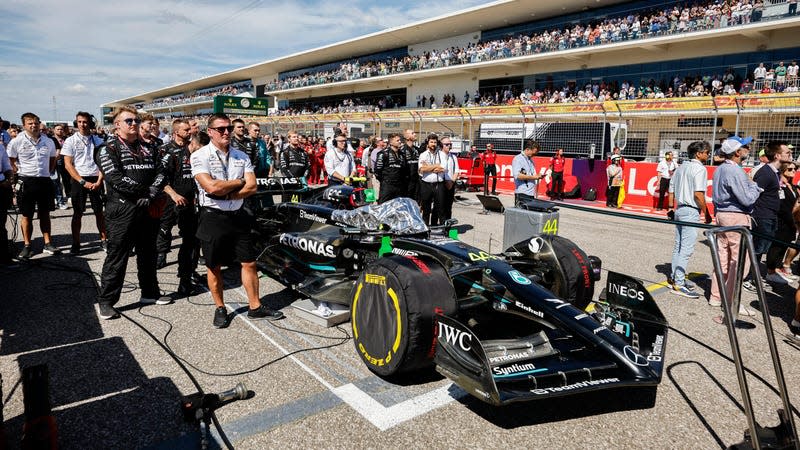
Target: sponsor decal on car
{"x": 519, "y": 278}
{"x": 515, "y": 369}
{"x": 401, "y": 252}
{"x": 524, "y": 307}
{"x": 658, "y": 348}
{"x": 454, "y": 336}
{"x": 371, "y": 278}
{"x": 626, "y": 290}
{"x": 635, "y": 357}
{"x": 509, "y": 357}
{"x": 569, "y": 387}
{"x": 308, "y": 245}
{"x": 312, "y": 216}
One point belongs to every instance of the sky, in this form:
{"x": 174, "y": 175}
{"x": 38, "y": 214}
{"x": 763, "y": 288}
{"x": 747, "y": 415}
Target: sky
{"x": 64, "y": 56}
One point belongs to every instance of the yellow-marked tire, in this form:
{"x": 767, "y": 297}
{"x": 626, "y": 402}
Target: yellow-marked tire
{"x": 395, "y": 303}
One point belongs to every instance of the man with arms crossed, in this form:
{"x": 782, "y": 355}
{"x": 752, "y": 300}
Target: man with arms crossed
{"x": 86, "y": 179}
{"x": 132, "y": 172}
{"x": 225, "y": 178}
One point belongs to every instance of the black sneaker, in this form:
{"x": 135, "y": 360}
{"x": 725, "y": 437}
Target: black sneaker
{"x": 104, "y": 245}
{"x": 51, "y": 249}
{"x": 26, "y": 253}
{"x": 107, "y": 312}
{"x": 198, "y": 279}
{"x": 262, "y": 312}
{"x": 221, "y": 317}
{"x": 75, "y": 249}
{"x": 187, "y": 288}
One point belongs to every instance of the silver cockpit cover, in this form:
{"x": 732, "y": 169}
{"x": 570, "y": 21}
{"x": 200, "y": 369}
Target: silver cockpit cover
{"x": 401, "y": 214}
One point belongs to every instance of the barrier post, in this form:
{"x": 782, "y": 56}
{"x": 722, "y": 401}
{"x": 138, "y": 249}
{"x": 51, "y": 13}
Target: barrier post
{"x": 785, "y": 434}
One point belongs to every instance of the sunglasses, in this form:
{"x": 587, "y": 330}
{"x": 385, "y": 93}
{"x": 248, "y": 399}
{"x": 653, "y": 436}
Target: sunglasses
{"x": 132, "y": 120}
{"x": 448, "y": 144}
{"x": 222, "y": 130}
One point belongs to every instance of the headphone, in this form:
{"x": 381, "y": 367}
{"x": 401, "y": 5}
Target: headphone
{"x": 91, "y": 119}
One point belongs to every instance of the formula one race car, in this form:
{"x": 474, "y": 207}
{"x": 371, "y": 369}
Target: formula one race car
{"x": 520, "y": 325}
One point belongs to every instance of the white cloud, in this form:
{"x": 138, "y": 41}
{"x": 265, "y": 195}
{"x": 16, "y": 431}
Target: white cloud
{"x": 77, "y": 88}
{"x": 100, "y": 51}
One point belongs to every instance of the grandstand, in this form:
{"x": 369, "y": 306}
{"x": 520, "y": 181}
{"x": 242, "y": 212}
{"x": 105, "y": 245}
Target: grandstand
{"x": 583, "y": 75}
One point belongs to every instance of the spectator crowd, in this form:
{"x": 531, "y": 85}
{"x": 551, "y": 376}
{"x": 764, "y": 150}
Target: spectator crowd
{"x": 635, "y": 25}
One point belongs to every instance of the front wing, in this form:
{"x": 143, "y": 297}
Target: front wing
{"x": 554, "y": 361}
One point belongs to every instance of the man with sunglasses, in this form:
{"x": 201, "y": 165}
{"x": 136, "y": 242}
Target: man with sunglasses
{"x": 225, "y": 177}
{"x": 392, "y": 170}
{"x": 133, "y": 176}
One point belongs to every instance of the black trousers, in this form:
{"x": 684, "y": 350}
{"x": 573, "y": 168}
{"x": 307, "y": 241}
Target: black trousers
{"x": 65, "y": 177}
{"x": 489, "y": 170}
{"x": 776, "y": 252}
{"x": 612, "y": 196}
{"x": 432, "y": 200}
{"x": 558, "y": 185}
{"x": 127, "y": 227}
{"x": 390, "y": 190}
{"x": 663, "y": 190}
{"x": 186, "y": 219}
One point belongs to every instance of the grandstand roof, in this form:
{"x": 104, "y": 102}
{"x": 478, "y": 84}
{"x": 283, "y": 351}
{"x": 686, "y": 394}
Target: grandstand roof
{"x": 485, "y": 17}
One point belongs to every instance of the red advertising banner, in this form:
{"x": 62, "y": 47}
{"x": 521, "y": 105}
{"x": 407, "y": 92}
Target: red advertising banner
{"x": 641, "y": 179}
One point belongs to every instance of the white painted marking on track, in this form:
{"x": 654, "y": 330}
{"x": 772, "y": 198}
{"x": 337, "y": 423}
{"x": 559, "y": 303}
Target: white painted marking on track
{"x": 384, "y": 418}
{"x": 378, "y": 415}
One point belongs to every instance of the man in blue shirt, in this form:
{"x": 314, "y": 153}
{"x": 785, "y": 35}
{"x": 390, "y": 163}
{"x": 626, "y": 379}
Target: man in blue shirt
{"x": 734, "y": 195}
{"x": 526, "y": 179}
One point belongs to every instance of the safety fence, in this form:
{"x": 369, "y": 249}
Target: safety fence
{"x": 644, "y": 129}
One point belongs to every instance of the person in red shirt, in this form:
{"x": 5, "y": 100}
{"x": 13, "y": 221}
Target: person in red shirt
{"x": 557, "y": 163}
{"x": 489, "y": 158}
{"x": 319, "y": 156}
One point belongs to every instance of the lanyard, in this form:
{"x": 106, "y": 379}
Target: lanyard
{"x": 224, "y": 163}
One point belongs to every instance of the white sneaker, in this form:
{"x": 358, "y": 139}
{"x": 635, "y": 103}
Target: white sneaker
{"x": 776, "y": 277}
{"x": 162, "y": 300}
{"x": 743, "y": 311}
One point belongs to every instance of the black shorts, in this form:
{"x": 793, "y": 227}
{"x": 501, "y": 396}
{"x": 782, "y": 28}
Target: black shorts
{"x": 79, "y": 194}
{"x": 225, "y": 237}
{"x": 38, "y": 193}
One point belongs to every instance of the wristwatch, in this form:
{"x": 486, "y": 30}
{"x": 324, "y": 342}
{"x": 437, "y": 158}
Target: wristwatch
{"x": 82, "y": 182}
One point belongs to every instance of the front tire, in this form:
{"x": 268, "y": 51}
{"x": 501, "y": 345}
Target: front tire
{"x": 394, "y": 307}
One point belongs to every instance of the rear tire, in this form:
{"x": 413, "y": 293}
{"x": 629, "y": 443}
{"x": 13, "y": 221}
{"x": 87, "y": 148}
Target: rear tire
{"x": 393, "y": 311}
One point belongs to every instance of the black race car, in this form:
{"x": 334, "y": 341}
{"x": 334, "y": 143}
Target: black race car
{"x": 519, "y": 325}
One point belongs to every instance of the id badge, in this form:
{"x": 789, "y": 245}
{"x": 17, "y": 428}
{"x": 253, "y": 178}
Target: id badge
{"x": 781, "y": 194}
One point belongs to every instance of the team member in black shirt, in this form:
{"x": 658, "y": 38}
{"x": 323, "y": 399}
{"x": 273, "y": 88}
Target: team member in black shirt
{"x": 392, "y": 170}
{"x": 180, "y": 208}
{"x": 293, "y": 159}
{"x": 134, "y": 178}
{"x": 412, "y": 156}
